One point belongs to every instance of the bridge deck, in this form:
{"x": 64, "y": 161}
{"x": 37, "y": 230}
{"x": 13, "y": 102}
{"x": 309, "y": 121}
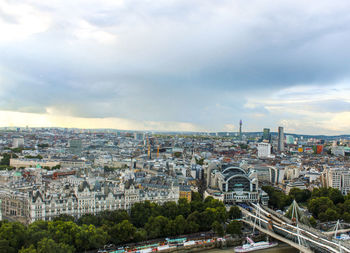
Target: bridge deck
{"x": 280, "y": 238}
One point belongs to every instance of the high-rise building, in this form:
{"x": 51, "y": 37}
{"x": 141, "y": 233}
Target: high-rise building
{"x": 75, "y": 146}
{"x": 264, "y": 149}
{"x": 289, "y": 139}
{"x": 18, "y": 142}
{"x": 338, "y": 178}
{"x": 240, "y": 129}
{"x": 280, "y": 139}
{"x": 266, "y": 135}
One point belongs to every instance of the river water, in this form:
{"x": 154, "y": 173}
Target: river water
{"x": 281, "y": 248}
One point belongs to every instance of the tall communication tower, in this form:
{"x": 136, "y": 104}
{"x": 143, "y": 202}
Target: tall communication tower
{"x": 240, "y": 129}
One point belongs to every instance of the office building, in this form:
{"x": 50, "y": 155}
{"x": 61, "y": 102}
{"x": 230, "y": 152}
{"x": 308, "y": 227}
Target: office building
{"x": 266, "y": 135}
{"x": 338, "y": 178}
{"x": 264, "y": 150}
{"x": 280, "y": 139}
{"x": 18, "y": 142}
{"x": 240, "y": 129}
{"x": 289, "y": 139}
{"x": 75, "y": 146}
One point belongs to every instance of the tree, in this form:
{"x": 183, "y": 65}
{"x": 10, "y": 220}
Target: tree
{"x": 184, "y": 208}
{"x": 37, "y": 230}
{"x": 156, "y": 226}
{"x": 6, "y": 158}
{"x": 320, "y": 205}
{"x": 207, "y": 218}
{"x": 122, "y": 232}
{"x": 196, "y": 196}
{"x": 30, "y": 249}
{"x": 277, "y": 198}
{"x": 331, "y": 214}
{"x": 140, "y": 235}
{"x": 234, "y": 228}
{"x": 90, "y": 238}
{"x": 56, "y": 167}
{"x": 313, "y": 221}
{"x": 180, "y": 225}
{"x": 218, "y": 228}
{"x": 47, "y": 245}
{"x": 90, "y": 219}
{"x": 113, "y": 217}
{"x": 63, "y": 231}
{"x": 169, "y": 209}
{"x": 234, "y": 212}
{"x": 336, "y": 196}
{"x": 177, "y": 154}
{"x": 300, "y": 195}
{"x": 5, "y": 246}
{"x": 346, "y": 216}
{"x": 140, "y": 212}
{"x": 191, "y": 227}
{"x": 15, "y": 233}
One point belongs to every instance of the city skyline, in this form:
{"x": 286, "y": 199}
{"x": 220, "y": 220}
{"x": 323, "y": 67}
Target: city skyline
{"x": 176, "y": 66}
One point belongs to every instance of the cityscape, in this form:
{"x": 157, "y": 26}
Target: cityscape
{"x": 177, "y": 126}
{"x": 60, "y": 175}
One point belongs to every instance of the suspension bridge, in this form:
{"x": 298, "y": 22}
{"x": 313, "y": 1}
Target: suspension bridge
{"x": 293, "y": 231}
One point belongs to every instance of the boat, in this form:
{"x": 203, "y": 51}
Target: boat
{"x": 253, "y": 246}
{"x": 344, "y": 237}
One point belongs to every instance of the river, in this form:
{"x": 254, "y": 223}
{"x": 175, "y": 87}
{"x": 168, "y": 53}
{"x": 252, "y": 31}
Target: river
{"x": 281, "y": 248}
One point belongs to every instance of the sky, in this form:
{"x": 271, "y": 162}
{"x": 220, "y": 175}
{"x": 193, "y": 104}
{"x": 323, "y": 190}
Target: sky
{"x": 184, "y": 65}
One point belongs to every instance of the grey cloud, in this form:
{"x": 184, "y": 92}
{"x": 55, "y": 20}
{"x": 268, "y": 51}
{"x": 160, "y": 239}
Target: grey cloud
{"x": 191, "y": 61}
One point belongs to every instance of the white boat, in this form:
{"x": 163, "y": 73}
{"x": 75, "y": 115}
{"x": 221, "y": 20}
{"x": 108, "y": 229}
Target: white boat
{"x": 253, "y": 246}
{"x": 344, "y": 237}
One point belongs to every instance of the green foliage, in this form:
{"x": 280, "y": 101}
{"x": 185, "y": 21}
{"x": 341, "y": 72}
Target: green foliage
{"x": 313, "y": 221}
{"x": 320, "y": 205}
{"x": 89, "y": 237}
{"x": 6, "y": 158}
{"x": 346, "y": 217}
{"x": 200, "y": 161}
{"x": 332, "y": 214}
{"x": 234, "y": 213}
{"x": 57, "y": 167}
{"x": 277, "y": 198}
{"x": 34, "y": 157}
{"x": 6, "y": 167}
{"x": 47, "y": 245}
{"x": 43, "y": 145}
{"x": 196, "y": 196}
{"x": 156, "y": 226}
{"x": 122, "y": 232}
{"x": 177, "y": 154}
{"x": 299, "y": 195}
{"x": 5, "y": 246}
{"x": 17, "y": 150}
{"x": 234, "y": 228}
{"x": 218, "y": 228}
{"x": 243, "y": 146}
{"x": 14, "y": 233}
{"x": 111, "y": 169}
{"x": 332, "y": 193}
{"x": 146, "y": 221}
{"x": 30, "y": 249}
{"x": 140, "y": 235}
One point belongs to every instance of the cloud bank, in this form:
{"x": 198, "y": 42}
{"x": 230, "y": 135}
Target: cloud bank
{"x": 189, "y": 65}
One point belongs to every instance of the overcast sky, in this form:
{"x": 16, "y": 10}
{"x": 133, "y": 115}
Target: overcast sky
{"x": 176, "y": 65}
